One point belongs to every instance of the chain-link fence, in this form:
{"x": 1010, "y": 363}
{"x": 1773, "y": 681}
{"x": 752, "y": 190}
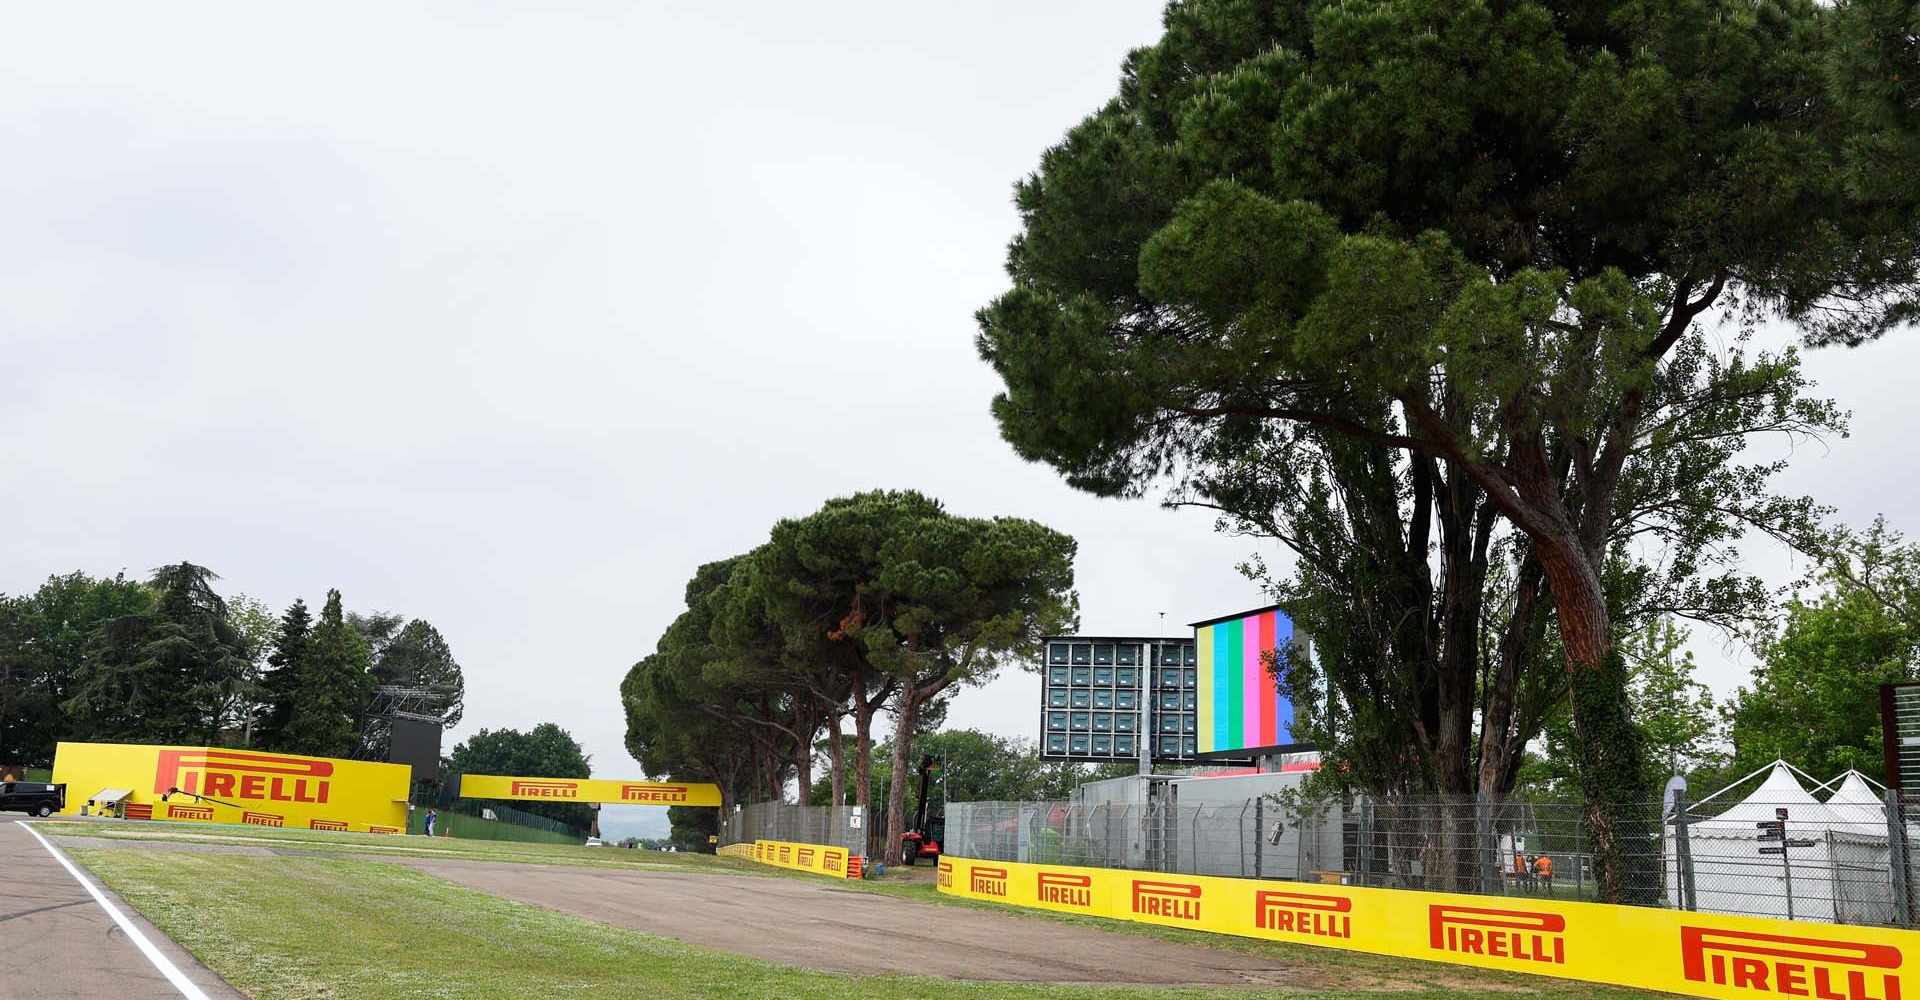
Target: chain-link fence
{"x": 1245, "y": 839}
{"x": 1844, "y": 863}
{"x": 835, "y": 826}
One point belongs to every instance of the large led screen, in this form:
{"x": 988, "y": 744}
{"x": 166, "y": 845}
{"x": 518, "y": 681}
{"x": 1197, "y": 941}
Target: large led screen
{"x": 1240, "y": 705}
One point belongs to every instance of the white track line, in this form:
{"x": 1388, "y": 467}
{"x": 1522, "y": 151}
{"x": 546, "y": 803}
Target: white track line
{"x": 179, "y": 979}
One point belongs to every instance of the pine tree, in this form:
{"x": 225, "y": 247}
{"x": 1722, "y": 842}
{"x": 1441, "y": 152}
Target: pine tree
{"x": 289, "y": 650}
{"x": 329, "y": 688}
{"x": 163, "y": 675}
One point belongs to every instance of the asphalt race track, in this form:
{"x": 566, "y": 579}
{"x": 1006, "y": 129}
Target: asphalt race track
{"x": 59, "y": 942}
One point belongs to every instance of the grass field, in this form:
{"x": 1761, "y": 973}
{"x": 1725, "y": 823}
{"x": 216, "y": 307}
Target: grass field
{"x": 372, "y": 843}
{"x": 373, "y": 930}
{"x": 465, "y": 827}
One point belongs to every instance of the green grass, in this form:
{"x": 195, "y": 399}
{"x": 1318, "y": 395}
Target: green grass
{"x": 40, "y": 774}
{"x": 365, "y": 844}
{"x": 465, "y": 827}
{"x": 374, "y": 931}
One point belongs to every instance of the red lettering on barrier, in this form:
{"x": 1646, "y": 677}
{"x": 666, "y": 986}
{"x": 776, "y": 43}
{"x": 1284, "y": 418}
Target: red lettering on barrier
{"x": 1522, "y": 935}
{"x": 663, "y": 794}
{"x": 1790, "y": 965}
{"x": 1172, "y": 900}
{"x": 1303, "y": 913}
{"x": 545, "y": 789}
{"x": 1065, "y": 890}
{"x": 243, "y": 775}
{"x": 989, "y": 881}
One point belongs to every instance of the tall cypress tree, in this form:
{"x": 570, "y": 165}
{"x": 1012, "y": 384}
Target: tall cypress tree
{"x": 329, "y": 687}
{"x": 289, "y": 650}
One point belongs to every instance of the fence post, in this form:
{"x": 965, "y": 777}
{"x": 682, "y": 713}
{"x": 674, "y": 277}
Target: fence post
{"x": 1897, "y": 858}
{"x": 1487, "y": 850}
{"x": 1579, "y": 857}
{"x": 1259, "y": 834}
{"x": 1243, "y": 837}
{"x": 1683, "y": 853}
{"x": 1364, "y": 859}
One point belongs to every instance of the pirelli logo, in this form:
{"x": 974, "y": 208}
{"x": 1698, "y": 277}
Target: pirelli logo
{"x": 1063, "y": 889}
{"x": 943, "y": 879}
{"x": 383, "y": 829}
{"x": 327, "y": 824}
{"x": 666, "y": 795}
{"x": 239, "y": 774}
{"x": 189, "y": 812}
{"x": 262, "y": 819}
{"x": 1822, "y": 968}
{"x": 804, "y": 857}
{"x": 1170, "y": 900}
{"x": 1523, "y": 935}
{"x": 989, "y": 881}
{"x": 786, "y": 855}
{"x": 1305, "y": 914}
{"x": 546, "y": 789}
{"x": 833, "y": 860}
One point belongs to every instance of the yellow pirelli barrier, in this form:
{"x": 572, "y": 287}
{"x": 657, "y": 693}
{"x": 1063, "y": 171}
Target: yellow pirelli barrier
{"x": 218, "y": 785}
{"x": 648, "y": 793}
{"x": 817, "y": 858}
{"x": 1705, "y": 955}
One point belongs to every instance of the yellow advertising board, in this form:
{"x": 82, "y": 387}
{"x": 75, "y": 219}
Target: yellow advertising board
{"x": 639, "y": 793}
{"x": 817, "y": 858}
{"x": 216, "y": 785}
{"x": 1704, "y": 955}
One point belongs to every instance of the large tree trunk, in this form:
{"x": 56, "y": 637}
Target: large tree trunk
{"x": 1465, "y": 528}
{"x": 803, "y": 768}
{"x": 908, "y": 712}
{"x": 1611, "y": 751}
{"x": 863, "y": 762}
{"x": 1499, "y": 743}
{"x": 836, "y": 757}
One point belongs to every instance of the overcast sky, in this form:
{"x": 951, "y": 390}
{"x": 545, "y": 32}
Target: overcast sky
{"x": 509, "y": 320}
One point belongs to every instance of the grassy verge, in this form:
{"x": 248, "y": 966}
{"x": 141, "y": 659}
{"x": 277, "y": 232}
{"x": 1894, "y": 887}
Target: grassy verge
{"x": 464, "y": 827}
{"x": 377, "y": 931}
{"x": 367, "y": 844}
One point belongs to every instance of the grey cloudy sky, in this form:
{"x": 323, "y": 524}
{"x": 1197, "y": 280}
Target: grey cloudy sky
{"x": 508, "y": 320}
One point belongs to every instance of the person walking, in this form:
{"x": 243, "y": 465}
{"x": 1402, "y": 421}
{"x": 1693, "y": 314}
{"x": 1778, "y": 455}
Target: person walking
{"x": 431, "y": 816}
{"x": 1543, "y": 870}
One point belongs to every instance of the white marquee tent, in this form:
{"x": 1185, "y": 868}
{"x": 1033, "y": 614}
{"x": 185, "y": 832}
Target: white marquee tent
{"x": 1841, "y": 876}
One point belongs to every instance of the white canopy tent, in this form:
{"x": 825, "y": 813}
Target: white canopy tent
{"x": 1858, "y": 804}
{"x": 1842, "y": 875}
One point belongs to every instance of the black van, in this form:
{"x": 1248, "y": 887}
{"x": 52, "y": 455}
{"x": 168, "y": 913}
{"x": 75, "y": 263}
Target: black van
{"x": 34, "y": 797}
